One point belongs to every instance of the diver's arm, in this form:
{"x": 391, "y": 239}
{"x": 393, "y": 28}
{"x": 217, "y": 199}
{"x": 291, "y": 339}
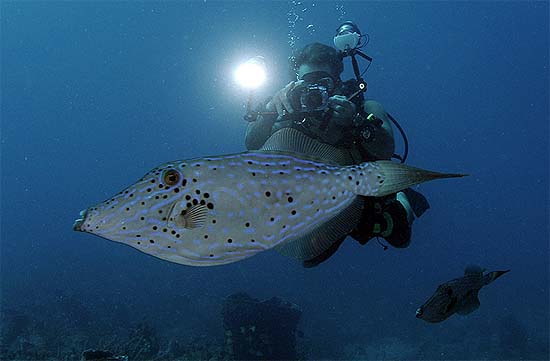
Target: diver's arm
{"x": 382, "y": 145}
{"x": 258, "y": 131}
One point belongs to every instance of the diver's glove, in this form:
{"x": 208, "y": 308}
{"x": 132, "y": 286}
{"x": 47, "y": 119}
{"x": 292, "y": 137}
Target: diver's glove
{"x": 343, "y": 110}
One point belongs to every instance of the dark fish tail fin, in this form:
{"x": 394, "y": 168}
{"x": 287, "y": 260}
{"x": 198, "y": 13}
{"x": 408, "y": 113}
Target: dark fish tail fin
{"x": 491, "y": 276}
{"x": 397, "y": 176}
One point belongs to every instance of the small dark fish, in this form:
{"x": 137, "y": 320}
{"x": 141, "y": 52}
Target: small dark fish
{"x": 457, "y": 296}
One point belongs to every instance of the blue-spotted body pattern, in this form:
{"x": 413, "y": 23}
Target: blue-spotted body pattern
{"x": 218, "y": 210}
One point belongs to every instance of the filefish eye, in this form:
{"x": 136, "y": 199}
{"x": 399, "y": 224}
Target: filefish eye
{"x": 171, "y": 177}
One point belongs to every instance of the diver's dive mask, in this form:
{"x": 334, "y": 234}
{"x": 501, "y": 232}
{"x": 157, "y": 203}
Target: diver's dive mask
{"x": 312, "y": 95}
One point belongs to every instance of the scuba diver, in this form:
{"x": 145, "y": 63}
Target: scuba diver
{"x": 323, "y": 107}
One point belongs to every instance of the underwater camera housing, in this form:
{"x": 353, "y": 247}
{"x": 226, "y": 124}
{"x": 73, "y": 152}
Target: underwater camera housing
{"x": 309, "y": 98}
{"x": 312, "y": 94}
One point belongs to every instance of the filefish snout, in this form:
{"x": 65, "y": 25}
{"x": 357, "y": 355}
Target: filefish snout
{"x": 419, "y": 312}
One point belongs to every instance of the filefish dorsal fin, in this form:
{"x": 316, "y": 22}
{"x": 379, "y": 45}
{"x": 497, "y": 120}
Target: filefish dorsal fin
{"x": 469, "y": 304}
{"x": 473, "y": 270}
{"x": 294, "y": 141}
{"x": 323, "y": 237}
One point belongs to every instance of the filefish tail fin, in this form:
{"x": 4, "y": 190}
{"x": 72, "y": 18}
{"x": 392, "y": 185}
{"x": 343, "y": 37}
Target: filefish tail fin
{"x": 397, "y": 176}
{"x": 491, "y": 276}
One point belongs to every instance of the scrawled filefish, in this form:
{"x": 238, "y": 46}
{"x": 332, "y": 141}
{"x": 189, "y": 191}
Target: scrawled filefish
{"x": 221, "y": 209}
{"x": 457, "y": 296}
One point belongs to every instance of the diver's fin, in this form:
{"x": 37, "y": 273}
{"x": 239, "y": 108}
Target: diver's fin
{"x": 322, "y": 238}
{"x": 314, "y": 262}
{"x": 417, "y": 200}
{"x": 491, "y": 276}
{"x": 292, "y": 140}
{"x": 469, "y": 304}
{"x": 395, "y": 177}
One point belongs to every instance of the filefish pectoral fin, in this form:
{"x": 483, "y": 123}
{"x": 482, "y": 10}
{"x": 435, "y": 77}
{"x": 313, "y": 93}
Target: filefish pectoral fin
{"x": 189, "y": 217}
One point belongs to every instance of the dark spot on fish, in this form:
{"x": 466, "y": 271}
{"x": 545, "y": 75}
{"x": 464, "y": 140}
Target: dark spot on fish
{"x": 247, "y": 224}
{"x": 189, "y": 205}
{"x": 268, "y": 194}
{"x": 267, "y": 164}
{"x": 177, "y": 235}
{"x": 333, "y": 197}
{"x": 142, "y": 203}
{"x": 165, "y": 229}
{"x": 126, "y": 192}
{"x": 197, "y": 165}
{"x": 161, "y": 186}
{"x": 160, "y": 211}
{"x": 253, "y": 174}
{"x": 198, "y": 191}
{"x": 290, "y": 199}
{"x": 138, "y": 242}
{"x": 169, "y": 246}
{"x": 157, "y": 197}
{"x": 142, "y": 218}
{"x": 210, "y": 206}
{"x": 184, "y": 183}
{"x": 293, "y": 212}
{"x": 272, "y": 219}
{"x": 249, "y": 162}
{"x": 214, "y": 168}
{"x": 229, "y": 240}
{"x": 155, "y": 228}
{"x": 194, "y": 180}
{"x": 252, "y": 240}
{"x": 206, "y": 195}
{"x": 357, "y": 183}
{"x": 131, "y": 195}
{"x": 164, "y": 196}
{"x": 149, "y": 189}
{"x": 163, "y": 218}
{"x": 127, "y": 209}
{"x": 211, "y": 255}
{"x": 202, "y": 202}
{"x": 124, "y": 228}
{"x": 205, "y": 236}
{"x": 151, "y": 241}
{"x": 153, "y": 181}
{"x": 176, "y": 190}
{"x": 350, "y": 177}
{"x": 173, "y": 232}
{"x": 361, "y": 174}
{"x": 188, "y": 197}
{"x": 213, "y": 221}
{"x": 195, "y": 202}
{"x": 138, "y": 235}
{"x": 381, "y": 181}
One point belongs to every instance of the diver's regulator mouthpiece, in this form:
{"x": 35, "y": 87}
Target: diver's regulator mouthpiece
{"x": 347, "y": 37}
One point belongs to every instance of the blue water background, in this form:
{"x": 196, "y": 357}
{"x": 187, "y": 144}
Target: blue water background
{"x": 96, "y": 94}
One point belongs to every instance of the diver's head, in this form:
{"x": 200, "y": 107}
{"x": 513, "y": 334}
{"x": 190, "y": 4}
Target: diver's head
{"x": 317, "y": 58}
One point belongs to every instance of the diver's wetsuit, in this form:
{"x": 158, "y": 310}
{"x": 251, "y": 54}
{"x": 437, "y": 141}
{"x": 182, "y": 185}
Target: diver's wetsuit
{"x": 379, "y": 146}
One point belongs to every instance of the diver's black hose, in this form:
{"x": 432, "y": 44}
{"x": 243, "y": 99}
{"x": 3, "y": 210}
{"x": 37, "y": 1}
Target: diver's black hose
{"x": 405, "y": 140}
